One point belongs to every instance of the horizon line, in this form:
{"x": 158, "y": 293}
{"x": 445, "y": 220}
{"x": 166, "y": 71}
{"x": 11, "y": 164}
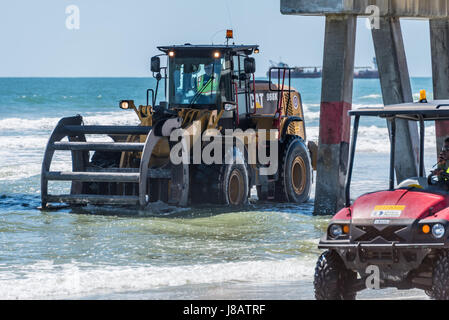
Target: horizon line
{"x": 136, "y": 77}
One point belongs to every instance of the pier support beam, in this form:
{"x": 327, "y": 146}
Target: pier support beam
{"x": 439, "y": 41}
{"x": 395, "y": 81}
{"x": 396, "y": 88}
{"x": 336, "y": 101}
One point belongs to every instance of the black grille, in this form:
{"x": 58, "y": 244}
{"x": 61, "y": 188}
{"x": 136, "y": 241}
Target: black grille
{"x": 371, "y": 233}
{"x": 379, "y": 255}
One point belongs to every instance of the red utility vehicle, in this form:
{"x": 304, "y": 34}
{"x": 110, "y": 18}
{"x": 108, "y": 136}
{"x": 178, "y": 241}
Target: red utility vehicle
{"x": 392, "y": 238}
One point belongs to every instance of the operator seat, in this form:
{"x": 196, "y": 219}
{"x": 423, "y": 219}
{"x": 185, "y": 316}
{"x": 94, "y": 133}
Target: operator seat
{"x": 414, "y": 182}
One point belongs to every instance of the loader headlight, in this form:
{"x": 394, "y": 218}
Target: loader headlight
{"x": 335, "y": 230}
{"x": 127, "y": 104}
{"x": 124, "y": 105}
{"x": 438, "y": 230}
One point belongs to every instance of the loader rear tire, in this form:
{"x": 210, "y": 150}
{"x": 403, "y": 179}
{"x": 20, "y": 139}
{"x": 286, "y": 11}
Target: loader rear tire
{"x": 295, "y": 172}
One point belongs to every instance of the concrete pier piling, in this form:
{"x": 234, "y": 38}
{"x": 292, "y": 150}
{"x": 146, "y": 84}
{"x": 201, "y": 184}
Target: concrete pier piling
{"x": 439, "y": 40}
{"x": 338, "y": 65}
{"x": 336, "y": 101}
{"x": 396, "y": 88}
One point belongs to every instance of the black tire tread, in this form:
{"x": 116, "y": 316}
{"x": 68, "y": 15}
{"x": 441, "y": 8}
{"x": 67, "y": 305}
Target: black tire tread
{"x": 205, "y": 183}
{"x": 332, "y": 280}
{"x": 440, "y": 281}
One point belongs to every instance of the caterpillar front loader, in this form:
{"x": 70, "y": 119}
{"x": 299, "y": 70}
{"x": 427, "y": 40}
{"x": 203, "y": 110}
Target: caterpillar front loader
{"x": 210, "y": 90}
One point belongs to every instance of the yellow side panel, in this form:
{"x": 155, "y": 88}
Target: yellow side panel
{"x": 293, "y": 107}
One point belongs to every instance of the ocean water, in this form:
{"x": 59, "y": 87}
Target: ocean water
{"x": 260, "y": 251}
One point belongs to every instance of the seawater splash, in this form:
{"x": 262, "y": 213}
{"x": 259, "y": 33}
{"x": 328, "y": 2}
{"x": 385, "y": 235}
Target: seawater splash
{"x": 86, "y": 253}
{"x": 46, "y": 280}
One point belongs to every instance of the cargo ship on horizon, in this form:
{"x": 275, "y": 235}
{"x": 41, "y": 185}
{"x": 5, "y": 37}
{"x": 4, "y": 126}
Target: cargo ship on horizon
{"x": 296, "y": 72}
{"x": 367, "y": 72}
{"x": 316, "y": 71}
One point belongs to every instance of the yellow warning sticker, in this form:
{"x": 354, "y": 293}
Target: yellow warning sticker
{"x": 387, "y": 211}
{"x": 389, "y": 207}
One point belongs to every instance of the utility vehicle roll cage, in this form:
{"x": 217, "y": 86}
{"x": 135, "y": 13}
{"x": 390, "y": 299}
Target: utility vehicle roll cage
{"x": 437, "y": 110}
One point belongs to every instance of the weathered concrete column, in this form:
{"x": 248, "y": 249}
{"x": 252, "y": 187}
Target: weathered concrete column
{"x": 439, "y": 43}
{"x": 396, "y": 88}
{"x": 336, "y": 101}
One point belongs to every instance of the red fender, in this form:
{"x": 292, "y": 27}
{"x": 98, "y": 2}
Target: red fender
{"x": 440, "y": 215}
{"x": 343, "y": 214}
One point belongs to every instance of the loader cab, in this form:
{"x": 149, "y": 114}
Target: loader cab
{"x": 198, "y": 82}
{"x": 210, "y": 77}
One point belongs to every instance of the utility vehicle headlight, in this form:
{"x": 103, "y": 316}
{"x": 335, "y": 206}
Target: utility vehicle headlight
{"x": 438, "y": 230}
{"x": 335, "y": 230}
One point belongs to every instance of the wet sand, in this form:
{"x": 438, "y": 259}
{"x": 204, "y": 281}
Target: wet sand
{"x": 298, "y": 290}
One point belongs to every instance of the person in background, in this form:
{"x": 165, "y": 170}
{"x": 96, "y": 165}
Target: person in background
{"x": 443, "y": 163}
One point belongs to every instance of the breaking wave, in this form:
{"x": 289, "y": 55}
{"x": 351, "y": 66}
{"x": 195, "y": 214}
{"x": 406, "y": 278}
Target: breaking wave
{"x": 45, "y": 280}
{"x": 48, "y": 123}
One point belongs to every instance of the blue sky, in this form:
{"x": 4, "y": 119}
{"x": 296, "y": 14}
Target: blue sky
{"x": 117, "y": 38}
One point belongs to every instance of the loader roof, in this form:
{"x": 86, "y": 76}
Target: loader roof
{"x": 432, "y": 110}
{"x": 246, "y": 49}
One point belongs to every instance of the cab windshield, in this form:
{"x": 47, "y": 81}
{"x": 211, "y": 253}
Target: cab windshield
{"x": 194, "y": 81}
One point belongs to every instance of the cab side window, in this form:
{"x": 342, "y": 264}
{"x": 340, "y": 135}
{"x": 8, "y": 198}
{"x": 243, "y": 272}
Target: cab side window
{"x": 241, "y": 84}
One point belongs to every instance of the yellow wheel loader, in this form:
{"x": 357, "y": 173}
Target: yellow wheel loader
{"x": 218, "y": 133}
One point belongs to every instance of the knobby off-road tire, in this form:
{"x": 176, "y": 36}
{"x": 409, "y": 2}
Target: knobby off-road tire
{"x": 295, "y": 172}
{"x": 332, "y": 280}
{"x": 440, "y": 275}
{"x": 225, "y": 184}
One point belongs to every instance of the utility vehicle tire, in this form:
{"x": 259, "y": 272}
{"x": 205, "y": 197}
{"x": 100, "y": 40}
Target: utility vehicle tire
{"x": 226, "y": 184}
{"x": 440, "y": 281}
{"x": 332, "y": 280}
{"x": 295, "y": 172}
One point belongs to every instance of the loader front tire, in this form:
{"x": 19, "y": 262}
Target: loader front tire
{"x": 234, "y": 188}
{"x": 223, "y": 184}
{"x": 103, "y": 159}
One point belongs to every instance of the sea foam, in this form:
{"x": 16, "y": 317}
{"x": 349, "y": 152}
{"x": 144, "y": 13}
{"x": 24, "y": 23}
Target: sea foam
{"x": 45, "y": 280}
